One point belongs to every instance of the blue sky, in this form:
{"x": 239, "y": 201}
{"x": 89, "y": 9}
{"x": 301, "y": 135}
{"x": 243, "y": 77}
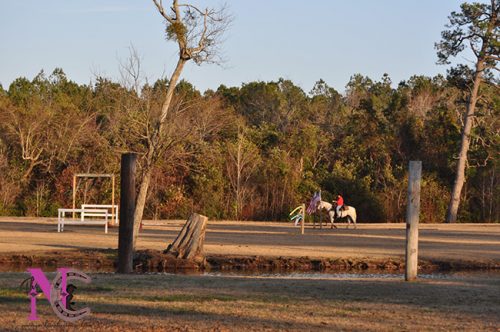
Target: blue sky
{"x": 298, "y": 40}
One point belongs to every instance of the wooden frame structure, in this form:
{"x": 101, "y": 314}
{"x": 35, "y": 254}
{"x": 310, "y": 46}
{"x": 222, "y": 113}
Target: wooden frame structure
{"x": 91, "y": 175}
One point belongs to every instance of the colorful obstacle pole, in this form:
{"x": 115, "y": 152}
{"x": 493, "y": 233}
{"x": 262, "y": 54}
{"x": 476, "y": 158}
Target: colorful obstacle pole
{"x": 301, "y": 211}
{"x": 300, "y": 216}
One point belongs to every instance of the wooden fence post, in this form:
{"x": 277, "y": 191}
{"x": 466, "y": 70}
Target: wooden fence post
{"x": 412, "y": 216}
{"x": 127, "y": 210}
{"x": 114, "y": 217}
{"x": 303, "y": 218}
{"x": 74, "y": 196}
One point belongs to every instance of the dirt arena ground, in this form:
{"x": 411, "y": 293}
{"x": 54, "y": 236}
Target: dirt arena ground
{"x": 473, "y": 242}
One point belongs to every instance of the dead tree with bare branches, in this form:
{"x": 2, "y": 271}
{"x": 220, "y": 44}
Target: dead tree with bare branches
{"x": 198, "y": 34}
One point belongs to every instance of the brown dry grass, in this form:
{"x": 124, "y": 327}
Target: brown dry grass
{"x": 193, "y": 303}
{"x": 190, "y": 303}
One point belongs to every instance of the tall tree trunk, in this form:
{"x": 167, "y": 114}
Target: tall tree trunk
{"x": 141, "y": 202}
{"x": 491, "y": 195}
{"x": 155, "y": 148}
{"x": 464, "y": 147}
{"x": 238, "y": 179}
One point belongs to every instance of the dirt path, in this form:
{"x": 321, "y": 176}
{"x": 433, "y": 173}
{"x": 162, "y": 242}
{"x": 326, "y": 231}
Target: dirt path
{"x": 473, "y": 242}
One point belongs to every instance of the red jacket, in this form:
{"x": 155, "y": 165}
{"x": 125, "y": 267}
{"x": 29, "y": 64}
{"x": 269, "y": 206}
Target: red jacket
{"x": 340, "y": 201}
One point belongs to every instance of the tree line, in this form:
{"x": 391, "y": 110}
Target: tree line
{"x": 251, "y": 151}
{"x": 254, "y": 151}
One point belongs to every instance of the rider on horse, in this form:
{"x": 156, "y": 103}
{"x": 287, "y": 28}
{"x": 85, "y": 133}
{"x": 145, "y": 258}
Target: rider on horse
{"x": 340, "y": 204}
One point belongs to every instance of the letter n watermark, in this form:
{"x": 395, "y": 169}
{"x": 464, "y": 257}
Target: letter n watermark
{"x": 57, "y": 293}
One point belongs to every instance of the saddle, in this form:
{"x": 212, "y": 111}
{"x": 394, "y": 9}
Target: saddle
{"x": 342, "y": 208}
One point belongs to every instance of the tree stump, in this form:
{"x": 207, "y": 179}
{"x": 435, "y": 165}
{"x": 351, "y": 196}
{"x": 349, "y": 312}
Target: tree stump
{"x": 189, "y": 242}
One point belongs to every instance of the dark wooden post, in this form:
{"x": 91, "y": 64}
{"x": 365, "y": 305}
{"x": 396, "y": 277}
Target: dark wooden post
{"x": 127, "y": 210}
{"x": 412, "y": 216}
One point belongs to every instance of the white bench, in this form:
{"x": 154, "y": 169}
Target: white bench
{"x": 113, "y": 215}
{"x": 62, "y": 219}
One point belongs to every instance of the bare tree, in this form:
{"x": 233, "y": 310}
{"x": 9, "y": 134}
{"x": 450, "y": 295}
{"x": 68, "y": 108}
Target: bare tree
{"x": 131, "y": 72}
{"x": 477, "y": 28}
{"x": 198, "y": 35}
{"x": 242, "y": 160}
{"x": 38, "y": 130}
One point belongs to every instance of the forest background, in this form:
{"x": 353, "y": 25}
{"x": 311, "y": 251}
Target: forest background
{"x": 251, "y": 152}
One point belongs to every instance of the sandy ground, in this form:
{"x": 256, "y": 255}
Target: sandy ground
{"x": 473, "y": 242}
{"x": 187, "y": 303}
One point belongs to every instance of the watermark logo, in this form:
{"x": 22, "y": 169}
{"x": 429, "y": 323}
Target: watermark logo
{"x": 58, "y": 293}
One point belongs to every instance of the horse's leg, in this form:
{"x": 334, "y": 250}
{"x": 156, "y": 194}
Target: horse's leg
{"x": 331, "y": 214}
{"x": 349, "y": 219}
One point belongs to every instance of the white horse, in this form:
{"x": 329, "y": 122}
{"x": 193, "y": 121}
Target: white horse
{"x": 349, "y": 213}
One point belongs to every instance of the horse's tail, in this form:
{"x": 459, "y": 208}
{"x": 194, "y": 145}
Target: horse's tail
{"x": 354, "y": 215}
